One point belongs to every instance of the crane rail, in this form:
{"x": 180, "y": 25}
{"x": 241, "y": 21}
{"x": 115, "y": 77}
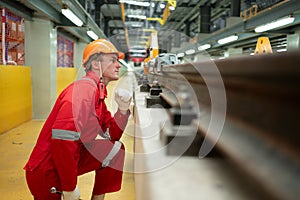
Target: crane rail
{"x": 261, "y": 134}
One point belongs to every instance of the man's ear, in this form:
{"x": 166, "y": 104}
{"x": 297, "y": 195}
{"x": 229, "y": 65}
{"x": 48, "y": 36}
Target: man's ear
{"x": 95, "y": 65}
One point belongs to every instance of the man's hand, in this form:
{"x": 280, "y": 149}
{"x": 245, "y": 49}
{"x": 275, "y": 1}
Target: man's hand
{"x": 123, "y": 99}
{"x": 72, "y": 195}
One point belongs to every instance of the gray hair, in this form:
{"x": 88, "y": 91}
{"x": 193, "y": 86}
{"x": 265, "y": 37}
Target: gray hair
{"x": 88, "y": 64}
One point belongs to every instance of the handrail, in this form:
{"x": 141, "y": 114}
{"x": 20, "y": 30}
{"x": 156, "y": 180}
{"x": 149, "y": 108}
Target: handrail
{"x": 249, "y": 13}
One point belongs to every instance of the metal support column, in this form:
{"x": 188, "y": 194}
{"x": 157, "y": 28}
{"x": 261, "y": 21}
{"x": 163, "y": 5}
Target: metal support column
{"x": 205, "y": 19}
{"x": 98, "y": 4}
{"x": 169, "y": 44}
{"x": 177, "y": 39}
{"x": 106, "y": 27}
{"x": 187, "y": 28}
{"x": 235, "y": 8}
{"x": 293, "y": 42}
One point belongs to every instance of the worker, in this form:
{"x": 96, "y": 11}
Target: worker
{"x": 80, "y": 134}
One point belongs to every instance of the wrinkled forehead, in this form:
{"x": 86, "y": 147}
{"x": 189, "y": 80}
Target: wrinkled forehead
{"x": 110, "y": 56}
{"x": 103, "y": 56}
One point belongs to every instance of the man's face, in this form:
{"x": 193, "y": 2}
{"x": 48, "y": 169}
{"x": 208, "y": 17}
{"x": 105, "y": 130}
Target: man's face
{"x": 110, "y": 67}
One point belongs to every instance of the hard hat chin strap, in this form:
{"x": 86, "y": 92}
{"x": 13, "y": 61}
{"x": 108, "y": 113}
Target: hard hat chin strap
{"x": 100, "y": 72}
{"x": 101, "y": 84}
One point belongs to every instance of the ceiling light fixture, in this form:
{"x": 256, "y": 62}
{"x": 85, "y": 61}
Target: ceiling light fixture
{"x": 71, "y": 16}
{"x": 281, "y": 50}
{"x": 136, "y": 3}
{"x": 190, "y": 51}
{"x": 204, "y": 47}
{"x": 274, "y": 24}
{"x": 137, "y": 25}
{"x": 137, "y": 16}
{"x": 228, "y": 39}
{"x": 92, "y": 34}
{"x": 143, "y": 42}
{"x": 180, "y": 55}
{"x": 162, "y": 5}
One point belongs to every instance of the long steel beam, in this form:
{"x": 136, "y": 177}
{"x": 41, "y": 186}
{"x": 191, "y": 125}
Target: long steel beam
{"x": 261, "y": 131}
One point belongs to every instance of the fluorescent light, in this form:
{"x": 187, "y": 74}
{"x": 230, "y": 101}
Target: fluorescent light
{"x": 137, "y": 16}
{"x": 92, "y": 35}
{"x": 204, "y": 47}
{"x": 137, "y": 50}
{"x": 190, "y": 51}
{"x": 162, "y": 5}
{"x": 134, "y": 23}
{"x": 275, "y": 24}
{"x": 137, "y": 25}
{"x": 136, "y": 3}
{"x": 180, "y": 55}
{"x": 228, "y": 39}
{"x": 281, "y": 50}
{"x": 71, "y": 16}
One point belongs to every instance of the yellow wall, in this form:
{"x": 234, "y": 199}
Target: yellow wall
{"x": 16, "y": 96}
{"x": 16, "y": 93}
{"x": 65, "y": 76}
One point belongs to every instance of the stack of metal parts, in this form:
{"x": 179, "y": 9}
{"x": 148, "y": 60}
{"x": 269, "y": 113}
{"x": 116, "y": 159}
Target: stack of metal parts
{"x": 179, "y": 133}
{"x": 145, "y": 87}
{"x": 153, "y": 99}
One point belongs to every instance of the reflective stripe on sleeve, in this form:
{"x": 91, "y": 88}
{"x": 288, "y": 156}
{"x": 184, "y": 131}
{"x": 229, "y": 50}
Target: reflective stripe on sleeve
{"x": 112, "y": 153}
{"x": 65, "y": 135}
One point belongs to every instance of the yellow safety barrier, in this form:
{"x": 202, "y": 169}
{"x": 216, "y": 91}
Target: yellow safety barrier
{"x": 263, "y": 46}
{"x": 16, "y": 96}
{"x": 65, "y": 76}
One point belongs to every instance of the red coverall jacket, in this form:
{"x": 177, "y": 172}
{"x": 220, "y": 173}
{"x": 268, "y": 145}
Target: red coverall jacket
{"x": 77, "y": 117}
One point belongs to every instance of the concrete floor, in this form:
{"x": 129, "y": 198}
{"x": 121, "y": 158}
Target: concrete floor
{"x": 16, "y": 146}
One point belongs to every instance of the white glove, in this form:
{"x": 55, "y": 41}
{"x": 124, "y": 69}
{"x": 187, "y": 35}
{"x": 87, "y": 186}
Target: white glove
{"x": 123, "y": 99}
{"x": 73, "y": 195}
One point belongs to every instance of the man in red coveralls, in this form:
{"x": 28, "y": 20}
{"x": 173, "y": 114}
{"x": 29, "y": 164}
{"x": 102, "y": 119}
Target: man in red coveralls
{"x": 67, "y": 145}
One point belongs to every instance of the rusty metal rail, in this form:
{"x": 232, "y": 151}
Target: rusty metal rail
{"x": 261, "y": 134}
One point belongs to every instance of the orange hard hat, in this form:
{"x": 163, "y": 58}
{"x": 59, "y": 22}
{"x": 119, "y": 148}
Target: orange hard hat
{"x": 100, "y": 46}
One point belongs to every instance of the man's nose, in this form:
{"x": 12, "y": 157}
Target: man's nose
{"x": 118, "y": 65}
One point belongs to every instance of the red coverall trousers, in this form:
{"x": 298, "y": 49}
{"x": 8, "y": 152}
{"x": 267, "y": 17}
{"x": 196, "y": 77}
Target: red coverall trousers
{"x": 107, "y": 179}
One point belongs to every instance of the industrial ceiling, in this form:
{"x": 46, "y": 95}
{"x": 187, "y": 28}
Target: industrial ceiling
{"x": 187, "y": 22}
